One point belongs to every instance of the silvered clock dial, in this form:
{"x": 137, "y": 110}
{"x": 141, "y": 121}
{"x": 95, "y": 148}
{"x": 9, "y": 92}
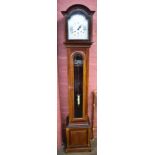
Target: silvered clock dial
{"x": 78, "y": 27}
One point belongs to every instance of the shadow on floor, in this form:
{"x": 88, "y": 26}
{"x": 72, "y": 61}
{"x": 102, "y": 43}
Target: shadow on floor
{"x": 93, "y": 152}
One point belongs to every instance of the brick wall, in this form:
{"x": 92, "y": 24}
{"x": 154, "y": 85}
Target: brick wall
{"x": 59, "y": 132}
{"x": 62, "y": 57}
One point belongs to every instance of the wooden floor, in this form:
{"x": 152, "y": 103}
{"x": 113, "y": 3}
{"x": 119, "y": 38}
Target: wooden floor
{"x": 93, "y": 152}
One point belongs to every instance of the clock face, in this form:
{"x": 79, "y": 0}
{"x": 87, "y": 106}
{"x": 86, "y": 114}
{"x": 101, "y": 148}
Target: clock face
{"x": 78, "y": 27}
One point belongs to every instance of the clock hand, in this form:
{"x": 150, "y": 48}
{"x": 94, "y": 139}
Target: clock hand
{"x": 79, "y": 27}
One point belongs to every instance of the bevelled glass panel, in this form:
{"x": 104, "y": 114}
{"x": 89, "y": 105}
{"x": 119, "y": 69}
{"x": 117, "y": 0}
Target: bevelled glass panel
{"x": 78, "y": 85}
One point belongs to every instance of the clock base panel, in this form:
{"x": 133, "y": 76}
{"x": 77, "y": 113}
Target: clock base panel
{"x": 78, "y": 138}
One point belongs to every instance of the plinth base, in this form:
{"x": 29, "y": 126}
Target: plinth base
{"x": 80, "y": 149}
{"x": 78, "y": 137}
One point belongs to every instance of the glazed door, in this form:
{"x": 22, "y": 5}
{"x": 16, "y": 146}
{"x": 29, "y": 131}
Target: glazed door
{"x": 78, "y": 83}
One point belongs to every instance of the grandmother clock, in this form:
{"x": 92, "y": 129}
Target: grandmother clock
{"x": 78, "y": 33}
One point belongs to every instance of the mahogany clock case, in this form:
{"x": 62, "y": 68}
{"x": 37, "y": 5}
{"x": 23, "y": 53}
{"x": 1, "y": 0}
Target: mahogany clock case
{"x": 78, "y": 128}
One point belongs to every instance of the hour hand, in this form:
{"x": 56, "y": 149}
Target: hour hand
{"x": 79, "y": 27}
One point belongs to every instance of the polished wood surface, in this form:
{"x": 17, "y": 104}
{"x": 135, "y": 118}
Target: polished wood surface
{"x": 78, "y": 137}
{"x": 78, "y": 129}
